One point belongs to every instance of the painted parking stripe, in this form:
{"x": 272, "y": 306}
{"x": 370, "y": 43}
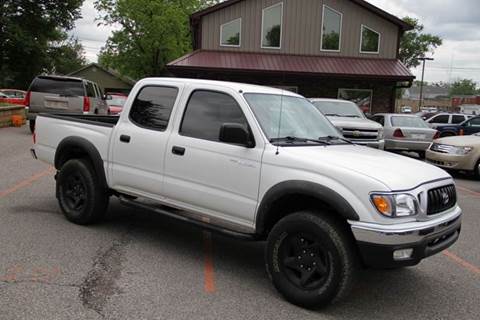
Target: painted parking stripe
{"x": 467, "y": 265}
{"x": 209, "y": 279}
{"x": 26, "y": 182}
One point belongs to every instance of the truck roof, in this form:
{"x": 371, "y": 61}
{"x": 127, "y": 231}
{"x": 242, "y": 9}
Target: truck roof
{"x": 225, "y": 84}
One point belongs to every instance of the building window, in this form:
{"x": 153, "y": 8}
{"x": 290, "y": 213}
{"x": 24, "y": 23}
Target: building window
{"x": 272, "y": 26}
{"x": 362, "y": 97}
{"x": 231, "y": 33}
{"x": 152, "y": 107}
{"x": 369, "y": 41}
{"x": 331, "y": 29}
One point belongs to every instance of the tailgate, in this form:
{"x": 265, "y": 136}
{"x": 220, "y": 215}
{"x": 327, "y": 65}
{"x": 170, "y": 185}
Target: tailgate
{"x": 58, "y": 103}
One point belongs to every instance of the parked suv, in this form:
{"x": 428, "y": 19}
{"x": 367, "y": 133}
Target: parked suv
{"x": 56, "y": 94}
{"x": 446, "y": 118}
{"x": 347, "y": 116}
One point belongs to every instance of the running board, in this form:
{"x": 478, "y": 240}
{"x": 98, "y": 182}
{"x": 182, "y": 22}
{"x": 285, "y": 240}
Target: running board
{"x": 174, "y": 213}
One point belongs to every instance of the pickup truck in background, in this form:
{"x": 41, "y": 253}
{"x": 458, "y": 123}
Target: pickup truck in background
{"x": 254, "y": 163}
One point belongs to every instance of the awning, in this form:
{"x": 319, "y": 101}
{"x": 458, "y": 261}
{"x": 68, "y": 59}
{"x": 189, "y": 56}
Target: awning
{"x": 325, "y": 66}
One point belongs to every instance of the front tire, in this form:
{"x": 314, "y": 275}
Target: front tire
{"x": 476, "y": 170}
{"x": 310, "y": 259}
{"x": 81, "y": 196}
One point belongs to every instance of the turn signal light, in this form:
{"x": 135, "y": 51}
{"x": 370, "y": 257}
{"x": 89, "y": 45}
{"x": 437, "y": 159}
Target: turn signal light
{"x": 383, "y": 205}
{"x": 86, "y": 104}
{"x": 398, "y": 134}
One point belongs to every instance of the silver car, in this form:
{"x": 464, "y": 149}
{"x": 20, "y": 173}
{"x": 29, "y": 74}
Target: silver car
{"x": 58, "y": 94}
{"x": 404, "y": 132}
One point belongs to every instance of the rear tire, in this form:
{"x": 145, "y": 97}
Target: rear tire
{"x": 421, "y": 154}
{"x": 476, "y": 170}
{"x": 31, "y": 123}
{"x": 81, "y": 196}
{"x": 310, "y": 259}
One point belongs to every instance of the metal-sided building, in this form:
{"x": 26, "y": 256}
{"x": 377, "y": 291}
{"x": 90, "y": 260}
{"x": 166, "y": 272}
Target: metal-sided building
{"x": 319, "y": 48}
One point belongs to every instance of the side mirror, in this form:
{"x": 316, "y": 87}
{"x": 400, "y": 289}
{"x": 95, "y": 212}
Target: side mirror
{"x": 236, "y": 133}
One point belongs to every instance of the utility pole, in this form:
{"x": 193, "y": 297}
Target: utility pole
{"x": 420, "y": 104}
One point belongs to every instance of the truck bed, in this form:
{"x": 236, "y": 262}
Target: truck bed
{"x": 106, "y": 121}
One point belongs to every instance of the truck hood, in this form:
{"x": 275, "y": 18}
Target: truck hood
{"x": 394, "y": 171}
{"x": 460, "y": 141}
{"x": 354, "y": 123}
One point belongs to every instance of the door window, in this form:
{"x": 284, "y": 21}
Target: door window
{"x": 152, "y": 107}
{"x": 207, "y": 111}
{"x": 379, "y": 119}
{"x": 458, "y": 119}
{"x": 440, "y": 119}
{"x": 90, "y": 89}
{"x": 474, "y": 122}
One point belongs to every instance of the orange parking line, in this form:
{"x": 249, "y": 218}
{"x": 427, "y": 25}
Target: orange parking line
{"x": 467, "y": 265}
{"x": 469, "y": 191}
{"x": 26, "y": 182}
{"x": 209, "y": 282}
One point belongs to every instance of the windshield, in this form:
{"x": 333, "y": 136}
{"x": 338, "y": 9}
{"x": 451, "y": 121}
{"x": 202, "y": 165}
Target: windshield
{"x": 338, "y": 109}
{"x": 299, "y": 117}
{"x": 408, "y": 122}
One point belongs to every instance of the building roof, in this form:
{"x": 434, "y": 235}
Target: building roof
{"x": 387, "y": 16}
{"x": 340, "y": 67}
{"x": 111, "y": 72}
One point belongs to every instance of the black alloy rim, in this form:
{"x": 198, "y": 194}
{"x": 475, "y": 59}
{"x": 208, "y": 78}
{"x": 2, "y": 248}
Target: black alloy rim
{"x": 75, "y": 192}
{"x": 304, "y": 261}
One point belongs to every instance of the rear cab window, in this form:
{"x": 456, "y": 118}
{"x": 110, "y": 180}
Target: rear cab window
{"x": 59, "y": 86}
{"x": 153, "y": 106}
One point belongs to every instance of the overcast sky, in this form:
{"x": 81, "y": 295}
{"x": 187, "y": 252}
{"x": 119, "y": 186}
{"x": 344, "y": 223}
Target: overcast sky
{"x": 456, "y": 21}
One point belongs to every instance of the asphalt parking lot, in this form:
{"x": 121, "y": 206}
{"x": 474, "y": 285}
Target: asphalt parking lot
{"x": 138, "y": 265}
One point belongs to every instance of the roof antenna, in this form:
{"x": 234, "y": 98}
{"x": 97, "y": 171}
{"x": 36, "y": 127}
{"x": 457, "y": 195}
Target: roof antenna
{"x": 279, "y": 123}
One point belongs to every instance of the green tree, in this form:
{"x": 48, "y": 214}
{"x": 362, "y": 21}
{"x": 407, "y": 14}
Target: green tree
{"x": 464, "y": 87}
{"x": 65, "y": 56}
{"x": 28, "y": 29}
{"x": 151, "y": 34}
{"x": 415, "y": 44}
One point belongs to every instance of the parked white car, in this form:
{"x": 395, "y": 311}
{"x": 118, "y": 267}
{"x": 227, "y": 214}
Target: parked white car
{"x": 255, "y": 163}
{"x": 347, "y": 116}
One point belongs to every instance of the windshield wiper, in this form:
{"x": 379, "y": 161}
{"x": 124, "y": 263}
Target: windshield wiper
{"x": 332, "y": 115}
{"x": 291, "y": 139}
{"x": 351, "y": 116}
{"x": 329, "y": 138}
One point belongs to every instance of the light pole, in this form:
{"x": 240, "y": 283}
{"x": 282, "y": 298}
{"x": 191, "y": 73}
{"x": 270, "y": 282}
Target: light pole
{"x": 420, "y": 104}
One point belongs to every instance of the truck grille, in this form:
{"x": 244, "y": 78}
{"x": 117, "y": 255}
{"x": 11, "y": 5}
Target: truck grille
{"x": 441, "y": 199}
{"x": 360, "y": 134}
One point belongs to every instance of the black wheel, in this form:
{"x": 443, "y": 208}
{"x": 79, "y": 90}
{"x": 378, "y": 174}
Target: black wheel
{"x": 477, "y": 170}
{"x": 310, "y": 259}
{"x": 32, "y": 126}
{"x": 81, "y": 196}
{"x": 421, "y": 154}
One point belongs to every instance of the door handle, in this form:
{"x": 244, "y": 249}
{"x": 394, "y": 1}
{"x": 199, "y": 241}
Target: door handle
{"x": 179, "y": 151}
{"x": 125, "y": 138}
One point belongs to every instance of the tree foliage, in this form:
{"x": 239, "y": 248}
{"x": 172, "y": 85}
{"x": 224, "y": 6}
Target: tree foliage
{"x": 464, "y": 87}
{"x": 415, "y": 44}
{"x": 31, "y": 38}
{"x": 151, "y": 33}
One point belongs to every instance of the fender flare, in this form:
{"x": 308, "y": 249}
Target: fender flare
{"x": 320, "y": 192}
{"x": 78, "y": 143}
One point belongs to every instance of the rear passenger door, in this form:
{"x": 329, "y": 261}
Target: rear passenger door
{"x": 140, "y": 140}
{"x": 471, "y": 127}
{"x": 216, "y": 179}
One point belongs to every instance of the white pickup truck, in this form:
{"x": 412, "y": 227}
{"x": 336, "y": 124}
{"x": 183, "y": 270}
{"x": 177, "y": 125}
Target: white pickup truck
{"x": 254, "y": 163}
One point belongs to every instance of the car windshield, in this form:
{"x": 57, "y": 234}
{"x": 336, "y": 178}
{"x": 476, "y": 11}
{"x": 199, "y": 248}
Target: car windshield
{"x": 338, "y": 108}
{"x": 299, "y": 119}
{"x": 408, "y": 122}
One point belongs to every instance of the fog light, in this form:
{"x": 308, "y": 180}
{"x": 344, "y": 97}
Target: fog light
{"x": 403, "y": 254}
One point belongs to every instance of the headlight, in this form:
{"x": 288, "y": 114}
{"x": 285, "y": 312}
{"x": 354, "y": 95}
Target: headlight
{"x": 461, "y": 151}
{"x": 395, "y": 205}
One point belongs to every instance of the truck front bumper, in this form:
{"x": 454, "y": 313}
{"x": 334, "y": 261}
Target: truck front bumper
{"x": 390, "y": 246}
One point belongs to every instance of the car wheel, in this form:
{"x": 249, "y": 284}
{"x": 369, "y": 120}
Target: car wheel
{"x": 32, "y": 126}
{"x": 81, "y": 197}
{"x": 421, "y": 154}
{"x": 310, "y": 259}
{"x": 477, "y": 170}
